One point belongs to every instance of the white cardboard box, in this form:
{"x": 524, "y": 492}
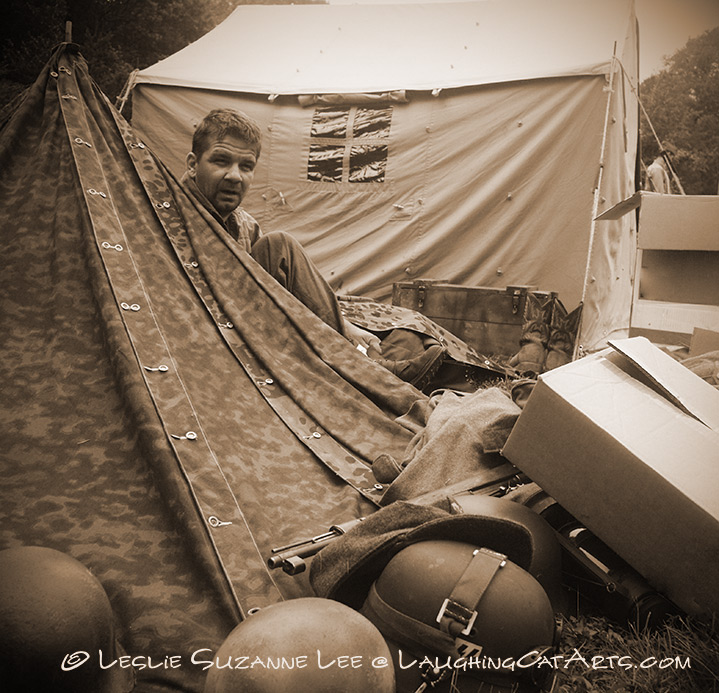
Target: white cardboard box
{"x": 627, "y": 440}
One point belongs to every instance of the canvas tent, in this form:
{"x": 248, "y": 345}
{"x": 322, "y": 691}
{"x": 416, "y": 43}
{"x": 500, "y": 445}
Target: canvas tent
{"x": 169, "y": 413}
{"x": 473, "y": 142}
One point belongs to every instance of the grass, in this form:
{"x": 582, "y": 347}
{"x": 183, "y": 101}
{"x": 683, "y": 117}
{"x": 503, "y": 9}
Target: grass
{"x": 680, "y": 656}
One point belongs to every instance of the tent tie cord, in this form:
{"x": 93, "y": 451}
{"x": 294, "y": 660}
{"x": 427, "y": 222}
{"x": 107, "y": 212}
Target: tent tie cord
{"x": 162, "y": 368}
{"x": 190, "y": 435}
{"x": 215, "y": 521}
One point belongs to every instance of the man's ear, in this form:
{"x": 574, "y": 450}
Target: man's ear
{"x": 191, "y": 162}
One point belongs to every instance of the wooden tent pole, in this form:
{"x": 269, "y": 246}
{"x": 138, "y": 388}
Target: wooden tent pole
{"x": 597, "y": 189}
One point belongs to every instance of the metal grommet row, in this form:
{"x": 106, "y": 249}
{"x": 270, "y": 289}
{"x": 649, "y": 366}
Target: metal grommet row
{"x": 92, "y": 191}
{"x": 107, "y": 246}
{"x": 79, "y": 140}
{"x": 226, "y": 325}
{"x": 214, "y": 521}
{"x": 160, "y": 205}
{"x": 376, "y": 487}
{"x": 316, "y": 434}
{"x": 190, "y": 435}
{"x": 162, "y": 368}
{"x": 137, "y": 145}
{"x": 65, "y": 70}
{"x": 192, "y": 264}
{"x": 127, "y": 306}
{"x": 266, "y": 381}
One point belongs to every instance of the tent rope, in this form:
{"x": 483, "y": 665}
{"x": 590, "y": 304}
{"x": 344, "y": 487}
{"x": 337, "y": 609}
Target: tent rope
{"x": 664, "y": 154}
{"x": 121, "y": 100}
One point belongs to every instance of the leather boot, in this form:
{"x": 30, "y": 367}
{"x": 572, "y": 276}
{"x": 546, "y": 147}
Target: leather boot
{"x": 529, "y": 360}
{"x": 563, "y": 335}
{"x": 417, "y": 370}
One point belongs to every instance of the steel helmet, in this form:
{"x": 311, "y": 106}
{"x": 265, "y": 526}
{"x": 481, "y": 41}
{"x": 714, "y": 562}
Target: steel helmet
{"x": 310, "y": 645}
{"x": 546, "y": 556}
{"x": 55, "y": 617}
{"x": 454, "y": 612}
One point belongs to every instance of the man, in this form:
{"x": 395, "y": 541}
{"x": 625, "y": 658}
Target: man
{"x": 657, "y": 174}
{"x": 225, "y": 149}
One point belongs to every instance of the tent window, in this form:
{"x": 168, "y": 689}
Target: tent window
{"x": 349, "y": 144}
{"x": 367, "y": 164}
{"x": 325, "y": 162}
{"x": 330, "y": 122}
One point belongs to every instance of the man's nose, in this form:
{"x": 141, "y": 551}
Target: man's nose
{"x": 234, "y": 173}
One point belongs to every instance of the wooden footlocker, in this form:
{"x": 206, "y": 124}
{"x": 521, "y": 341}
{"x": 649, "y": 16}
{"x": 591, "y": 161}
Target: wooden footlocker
{"x": 490, "y": 320}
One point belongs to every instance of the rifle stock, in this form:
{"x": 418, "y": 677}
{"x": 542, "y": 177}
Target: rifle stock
{"x": 494, "y": 481}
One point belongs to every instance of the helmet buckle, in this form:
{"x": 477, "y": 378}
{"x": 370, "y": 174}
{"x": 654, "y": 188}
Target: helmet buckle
{"x": 457, "y": 612}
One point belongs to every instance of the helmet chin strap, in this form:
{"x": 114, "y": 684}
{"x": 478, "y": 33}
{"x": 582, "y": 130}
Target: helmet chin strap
{"x": 459, "y": 611}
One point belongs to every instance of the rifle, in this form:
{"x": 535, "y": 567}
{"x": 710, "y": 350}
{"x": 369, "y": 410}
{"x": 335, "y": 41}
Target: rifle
{"x": 496, "y": 481}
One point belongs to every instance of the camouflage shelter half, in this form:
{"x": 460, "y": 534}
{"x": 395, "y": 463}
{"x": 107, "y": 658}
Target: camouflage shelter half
{"x": 169, "y": 413}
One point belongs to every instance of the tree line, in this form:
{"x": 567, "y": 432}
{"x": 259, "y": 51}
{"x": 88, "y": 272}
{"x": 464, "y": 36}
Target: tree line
{"x": 119, "y": 36}
{"x": 682, "y": 102}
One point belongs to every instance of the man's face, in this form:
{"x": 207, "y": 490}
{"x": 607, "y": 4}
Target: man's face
{"x": 223, "y": 172}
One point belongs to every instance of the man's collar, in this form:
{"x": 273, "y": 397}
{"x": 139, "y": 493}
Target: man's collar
{"x": 190, "y": 183}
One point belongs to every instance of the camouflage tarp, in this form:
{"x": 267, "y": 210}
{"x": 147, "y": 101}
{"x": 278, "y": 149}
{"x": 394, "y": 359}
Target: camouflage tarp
{"x": 169, "y": 413}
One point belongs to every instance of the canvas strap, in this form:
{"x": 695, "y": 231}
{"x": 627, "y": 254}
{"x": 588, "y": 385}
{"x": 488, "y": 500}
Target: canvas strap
{"x": 459, "y": 610}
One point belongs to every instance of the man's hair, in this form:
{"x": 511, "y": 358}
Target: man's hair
{"x": 221, "y": 122}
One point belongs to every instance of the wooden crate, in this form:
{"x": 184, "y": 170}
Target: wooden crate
{"x": 490, "y": 320}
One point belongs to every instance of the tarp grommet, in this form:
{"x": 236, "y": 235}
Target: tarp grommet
{"x": 190, "y": 435}
{"x": 162, "y": 368}
{"x": 215, "y": 521}
{"x": 79, "y": 140}
{"x": 107, "y": 246}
